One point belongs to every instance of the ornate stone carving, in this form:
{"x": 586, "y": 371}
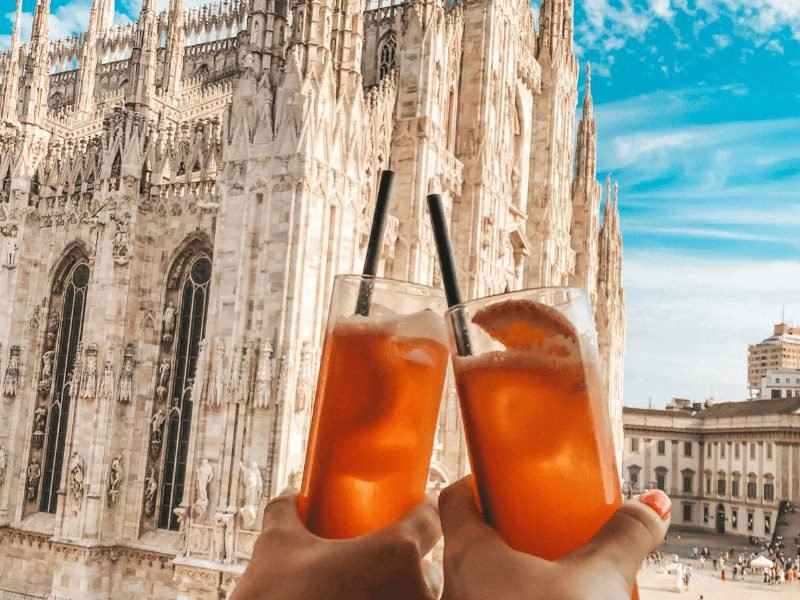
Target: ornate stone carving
{"x": 200, "y": 373}
{"x": 168, "y": 323}
{"x": 106, "y": 391}
{"x": 47, "y": 365}
{"x": 34, "y": 474}
{"x": 89, "y": 378}
{"x": 204, "y": 474}
{"x": 52, "y": 331}
{"x": 126, "y": 376}
{"x": 264, "y": 376}
{"x": 120, "y": 243}
{"x": 224, "y": 535}
{"x": 305, "y": 377}
{"x": 219, "y": 537}
{"x": 77, "y": 471}
{"x": 243, "y": 112}
{"x": 245, "y": 370}
{"x": 3, "y": 464}
{"x": 183, "y": 525}
{"x": 163, "y": 379}
{"x": 150, "y": 489}
{"x": 11, "y": 380}
{"x": 114, "y": 481}
{"x": 39, "y": 424}
{"x": 33, "y": 322}
{"x": 156, "y": 432}
{"x": 8, "y": 257}
{"x": 215, "y": 398}
{"x": 253, "y": 487}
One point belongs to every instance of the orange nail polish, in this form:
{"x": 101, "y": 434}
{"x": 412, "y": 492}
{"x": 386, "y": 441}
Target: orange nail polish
{"x": 658, "y": 501}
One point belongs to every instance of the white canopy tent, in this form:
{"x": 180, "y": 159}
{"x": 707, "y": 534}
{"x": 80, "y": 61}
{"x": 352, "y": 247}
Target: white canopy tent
{"x": 761, "y": 562}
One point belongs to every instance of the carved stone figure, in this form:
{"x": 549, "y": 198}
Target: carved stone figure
{"x": 243, "y": 115}
{"x": 219, "y": 373}
{"x": 3, "y": 464}
{"x": 219, "y": 537}
{"x": 11, "y": 380}
{"x": 39, "y": 423}
{"x": 305, "y": 377}
{"x": 200, "y": 373}
{"x": 156, "y": 432}
{"x": 114, "y": 481}
{"x": 180, "y": 513}
{"x": 34, "y": 473}
{"x": 253, "y": 485}
{"x": 52, "y": 331}
{"x": 203, "y": 476}
{"x": 47, "y": 364}
{"x": 76, "y": 474}
{"x": 163, "y": 373}
{"x": 150, "y": 489}
{"x": 243, "y": 394}
{"x": 126, "y": 377}
{"x": 264, "y": 376}
{"x": 119, "y": 244}
{"x": 229, "y": 522}
{"x": 263, "y": 116}
{"x": 106, "y": 391}
{"x": 168, "y": 323}
{"x": 89, "y": 379}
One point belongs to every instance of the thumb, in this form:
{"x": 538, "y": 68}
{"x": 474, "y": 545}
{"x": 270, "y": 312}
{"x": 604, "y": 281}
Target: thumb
{"x": 635, "y": 530}
{"x": 462, "y": 522}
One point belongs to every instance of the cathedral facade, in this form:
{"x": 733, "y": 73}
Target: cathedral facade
{"x": 176, "y": 196}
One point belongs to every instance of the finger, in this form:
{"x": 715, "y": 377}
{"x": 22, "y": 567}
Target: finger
{"x": 635, "y": 530}
{"x": 460, "y": 516}
{"x": 282, "y": 510}
{"x": 420, "y": 526}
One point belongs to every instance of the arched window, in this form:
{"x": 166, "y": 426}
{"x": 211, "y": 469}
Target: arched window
{"x": 187, "y": 301}
{"x": 387, "y": 54}
{"x": 116, "y": 172}
{"x": 67, "y": 300}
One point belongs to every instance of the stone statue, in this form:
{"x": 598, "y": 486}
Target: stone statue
{"x": 156, "y": 432}
{"x": 47, "y": 364}
{"x": 263, "y": 116}
{"x": 203, "y": 476}
{"x": 76, "y": 474}
{"x": 150, "y": 489}
{"x": 126, "y": 377}
{"x": 180, "y": 513}
{"x": 114, "y": 480}
{"x": 39, "y": 424}
{"x": 245, "y": 370}
{"x": 106, "y": 391}
{"x": 168, "y": 322}
{"x": 219, "y": 537}
{"x": 229, "y": 522}
{"x": 243, "y": 115}
{"x": 52, "y": 331}
{"x": 3, "y": 464}
{"x": 219, "y": 373}
{"x": 89, "y": 379}
{"x": 119, "y": 244}
{"x": 305, "y": 377}
{"x": 264, "y": 376}
{"x": 253, "y": 485}
{"x": 163, "y": 379}
{"x": 34, "y": 473}
{"x": 200, "y": 372}
{"x": 12, "y": 373}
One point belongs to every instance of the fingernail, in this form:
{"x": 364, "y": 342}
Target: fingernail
{"x": 658, "y": 501}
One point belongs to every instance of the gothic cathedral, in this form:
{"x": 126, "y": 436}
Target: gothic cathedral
{"x": 176, "y": 196}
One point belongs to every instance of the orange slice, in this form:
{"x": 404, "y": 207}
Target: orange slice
{"x": 523, "y": 324}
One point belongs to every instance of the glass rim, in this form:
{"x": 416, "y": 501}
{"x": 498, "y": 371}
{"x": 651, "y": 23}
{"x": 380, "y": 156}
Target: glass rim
{"x": 357, "y": 278}
{"x": 503, "y": 295}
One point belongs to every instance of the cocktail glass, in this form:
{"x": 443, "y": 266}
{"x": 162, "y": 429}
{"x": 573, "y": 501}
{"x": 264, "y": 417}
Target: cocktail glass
{"x": 376, "y": 407}
{"x": 535, "y": 418}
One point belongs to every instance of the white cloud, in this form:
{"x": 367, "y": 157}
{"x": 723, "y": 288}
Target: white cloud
{"x": 775, "y": 46}
{"x": 691, "y": 319}
{"x": 722, "y": 41}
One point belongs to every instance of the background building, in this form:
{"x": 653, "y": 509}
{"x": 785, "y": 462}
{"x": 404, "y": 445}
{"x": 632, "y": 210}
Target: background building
{"x": 176, "y": 196}
{"x": 779, "y": 351}
{"x": 728, "y": 467}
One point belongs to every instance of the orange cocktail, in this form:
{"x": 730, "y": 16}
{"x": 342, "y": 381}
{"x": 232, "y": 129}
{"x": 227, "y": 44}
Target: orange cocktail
{"x": 376, "y": 407}
{"x": 536, "y": 422}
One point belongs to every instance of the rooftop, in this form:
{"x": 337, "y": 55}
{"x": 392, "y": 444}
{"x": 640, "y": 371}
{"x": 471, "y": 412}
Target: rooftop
{"x": 726, "y": 410}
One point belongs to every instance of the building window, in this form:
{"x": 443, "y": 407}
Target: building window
{"x": 767, "y": 524}
{"x": 705, "y": 513}
{"x": 735, "y": 488}
{"x": 708, "y": 452}
{"x": 769, "y": 492}
{"x": 734, "y": 518}
{"x": 687, "y": 484}
{"x": 116, "y": 173}
{"x": 387, "y": 54}
{"x": 752, "y": 451}
{"x": 769, "y": 450}
{"x": 60, "y": 361}
{"x": 182, "y": 355}
{"x": 721, "y": 485}
{"x": 749, "y": 521}
{"x": 687, "y": 512}
{"x": 722, "y": 450}
{"x": 633, "y": 476}
{"x": 708, "y": 484}
{"x": 661, "y": 447}
{"x": 687, "y": 448}
{"x": 736, "y": 448}
{"x": 634, "y": 444}
{"x": 751, "y": 490}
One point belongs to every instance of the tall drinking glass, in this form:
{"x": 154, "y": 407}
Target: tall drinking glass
{"x": 536, "y": 422}
{"x": 376, "y": 407}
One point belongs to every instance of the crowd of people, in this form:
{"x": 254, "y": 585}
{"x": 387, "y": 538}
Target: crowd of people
{"x": 784, "y": 569}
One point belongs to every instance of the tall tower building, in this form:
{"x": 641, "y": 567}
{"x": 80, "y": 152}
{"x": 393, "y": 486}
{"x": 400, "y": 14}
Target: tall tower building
{"x": 177, "y": 197}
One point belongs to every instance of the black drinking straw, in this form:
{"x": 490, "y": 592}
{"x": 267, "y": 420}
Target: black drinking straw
{"x": 449, "y": 276}
{"x": 374, "y": 245}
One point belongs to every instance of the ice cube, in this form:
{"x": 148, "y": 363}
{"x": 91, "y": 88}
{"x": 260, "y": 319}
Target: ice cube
{"x": 420, "y": 357}
{"x": 424, "y": 324}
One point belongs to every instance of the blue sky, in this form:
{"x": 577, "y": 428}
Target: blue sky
{"x": 698, "y": 111}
